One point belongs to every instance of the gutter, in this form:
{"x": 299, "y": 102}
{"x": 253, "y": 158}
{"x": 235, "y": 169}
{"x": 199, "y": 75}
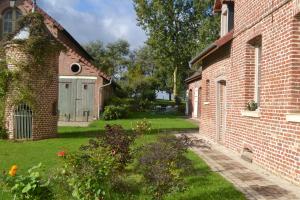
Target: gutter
{"x": 205, "y": 51}
{"x": 100, "y": 88}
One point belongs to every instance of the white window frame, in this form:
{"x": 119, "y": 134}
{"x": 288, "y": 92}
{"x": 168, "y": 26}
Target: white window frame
{"x": 224, "y": 20}
{"x": 257, "y": 82}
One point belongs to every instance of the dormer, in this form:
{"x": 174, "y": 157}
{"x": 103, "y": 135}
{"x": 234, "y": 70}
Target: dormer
{"x": 226, "y": 8}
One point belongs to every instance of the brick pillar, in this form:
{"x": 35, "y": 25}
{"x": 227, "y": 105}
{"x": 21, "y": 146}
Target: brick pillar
{"x": 44, "y": 118}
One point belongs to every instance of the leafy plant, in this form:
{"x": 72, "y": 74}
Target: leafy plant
{"x": 115, "y": 112}
{"x": 252, "y": 105}
{"x": 30, "y": 186}
{"x": 142, "y": 127}
{"x": 163, "y": 164}
{"x": 88, "y": 173}
{"x": 3, "y": 133}
{"x": 116, "y": 139}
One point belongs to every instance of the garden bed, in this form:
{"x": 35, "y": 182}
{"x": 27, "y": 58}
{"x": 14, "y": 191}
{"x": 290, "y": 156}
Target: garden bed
{"x": 202, "y": 183}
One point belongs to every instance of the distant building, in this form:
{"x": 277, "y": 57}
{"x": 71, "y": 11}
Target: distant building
{"x": 77, "y": 87}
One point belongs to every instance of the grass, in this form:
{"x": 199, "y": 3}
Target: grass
{"x": 160, "y": 123}
{"x": 202, "y": 183}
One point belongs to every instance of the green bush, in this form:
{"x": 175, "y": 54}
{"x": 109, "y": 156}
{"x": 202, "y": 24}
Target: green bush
{"x": 3, "y": 133}
{"x": 115, "y": 112}
{"x": 30, "y": 186}
{"x": 163, "y": 165}
{"x": 142, "y": 105}
{"x": 118, "y": 141}
{"x": 87, "y": 173}
{"x": 142, "y": 127}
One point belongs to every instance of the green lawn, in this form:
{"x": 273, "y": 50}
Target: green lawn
{"x": 202, "y": 183}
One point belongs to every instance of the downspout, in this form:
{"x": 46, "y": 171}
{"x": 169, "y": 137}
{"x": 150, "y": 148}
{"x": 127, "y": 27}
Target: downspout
{"x": 100, "y": 88}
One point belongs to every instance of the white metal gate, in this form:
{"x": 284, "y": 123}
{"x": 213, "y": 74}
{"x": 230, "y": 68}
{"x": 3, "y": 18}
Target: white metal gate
{"x": 23, "y": 122}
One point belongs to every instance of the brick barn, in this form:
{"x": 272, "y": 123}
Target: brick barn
{"x": 257, "y": 58}
{"x": 78, "y": 88}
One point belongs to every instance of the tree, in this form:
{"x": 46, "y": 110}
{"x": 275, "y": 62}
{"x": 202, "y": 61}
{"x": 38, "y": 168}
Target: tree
{"x": 173, "y": 29}
{"x": 138, "y": 80}
{"x": 112, "y": 58}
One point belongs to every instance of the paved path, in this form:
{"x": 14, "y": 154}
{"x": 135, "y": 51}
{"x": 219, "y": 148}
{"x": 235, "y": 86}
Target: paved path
{"x": 254, "y": 182}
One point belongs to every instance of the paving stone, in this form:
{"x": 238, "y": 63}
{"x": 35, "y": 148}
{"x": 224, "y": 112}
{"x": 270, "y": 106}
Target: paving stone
{"x": 255, "y": 186}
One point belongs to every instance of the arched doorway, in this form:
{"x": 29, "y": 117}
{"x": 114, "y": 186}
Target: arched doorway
{"x": 23, "y": 122}
{"x": 190, "y": 102}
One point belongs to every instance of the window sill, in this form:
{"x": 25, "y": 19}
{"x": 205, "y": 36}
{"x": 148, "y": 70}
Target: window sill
{"x": 246, "y": 113}
{"x": 206, "y": 103}
{"x": 293, "y": 117}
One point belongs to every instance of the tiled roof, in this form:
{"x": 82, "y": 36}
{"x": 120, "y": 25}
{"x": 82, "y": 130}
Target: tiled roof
{"x": 197, "y": 75}
{"x": 70, "y": 37}
{"x": 213, "y": 47}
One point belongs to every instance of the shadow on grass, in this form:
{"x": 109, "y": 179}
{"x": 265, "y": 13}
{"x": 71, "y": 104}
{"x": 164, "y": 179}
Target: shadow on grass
{"x": 95, "y": 133}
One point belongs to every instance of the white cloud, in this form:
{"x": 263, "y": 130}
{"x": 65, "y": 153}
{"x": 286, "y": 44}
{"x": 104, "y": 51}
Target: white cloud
{"x": 87, "y": 20}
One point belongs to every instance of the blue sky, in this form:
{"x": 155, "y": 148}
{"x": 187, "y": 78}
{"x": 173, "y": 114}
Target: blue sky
{"x": 105, "y": 20}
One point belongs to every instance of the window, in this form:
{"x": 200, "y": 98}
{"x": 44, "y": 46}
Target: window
{"x": 67, "y": 86}
{"x": 207, "y": 90}
{"x": 54, "y": 108}
{"x": 227, "y": 18}
{"x": 257, "y": 74}
{"x": 224, "y": 20}
{"x": 10, "y": 18}
{"x": 85, "y": 86}
{"x": 75, "y": 68}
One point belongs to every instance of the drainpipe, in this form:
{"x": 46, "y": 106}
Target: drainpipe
{"x": 33, "y": 6}
{"x": 100, "y": 88}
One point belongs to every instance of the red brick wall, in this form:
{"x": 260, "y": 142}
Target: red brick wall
{"x": 44, "y": 120}
{"x": 274, "y": 141}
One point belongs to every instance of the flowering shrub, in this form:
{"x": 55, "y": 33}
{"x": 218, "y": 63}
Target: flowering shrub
{"x": 163, "y": 164}
{"x": 142, "y": 127}
{"x": 88, "y": 172}
{"x": 30, "y": 186}
{"x": 116, "y": 139}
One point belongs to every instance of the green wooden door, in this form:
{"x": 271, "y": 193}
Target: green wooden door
{"x": 76, "y": 99}
{"x": 85, "y": 100}
{"x": 66, "y": 103}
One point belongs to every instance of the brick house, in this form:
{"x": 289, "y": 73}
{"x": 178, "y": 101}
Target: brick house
{"x": 257, "y": 58}
{"x": 78, "y": 88}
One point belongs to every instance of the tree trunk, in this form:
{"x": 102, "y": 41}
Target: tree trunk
{"x": 175, "y": 83}
{"x": 170, "y": 96}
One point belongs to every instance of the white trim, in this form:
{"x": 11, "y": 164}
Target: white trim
{"x": 247, "y": 113}
{"x": 79, "y": 77}
{"x": 80, "y": 68}
{"x": 257, "y": 75}
{"x": 205, "y": 103}
{"x": 293, "y": 117}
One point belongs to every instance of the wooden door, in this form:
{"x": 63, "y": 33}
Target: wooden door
{"x": 190, "y": 102}
{"x": 221, "y": 111}
{"x": 85, "y": 100}
{"x": 66, "y": 104}
{"x": 76, "y": 99}
{"x": 196, "y": 94}
{"x": 199, "y": 102}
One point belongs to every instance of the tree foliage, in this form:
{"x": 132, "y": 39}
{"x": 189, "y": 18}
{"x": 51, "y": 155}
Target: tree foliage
{"x": 112, "y": 58}
{"x": 176, "y": 29}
